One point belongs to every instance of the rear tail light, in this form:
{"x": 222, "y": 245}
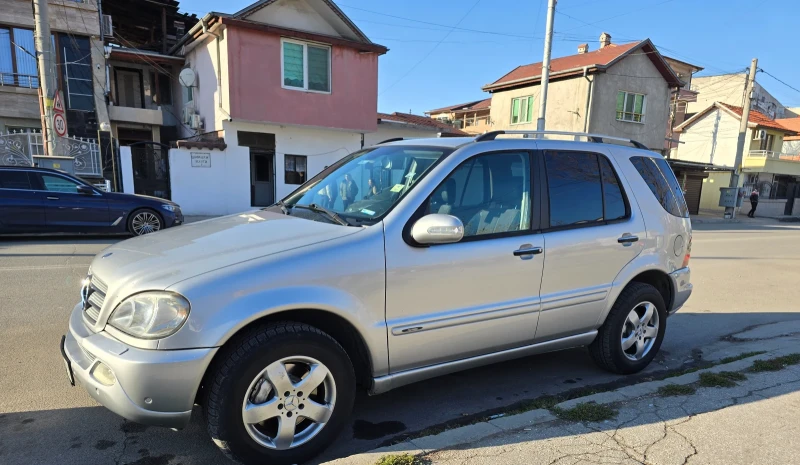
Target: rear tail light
{"x": 688, "y": 253}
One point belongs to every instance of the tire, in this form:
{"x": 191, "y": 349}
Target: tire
{"x": 236, "y": 382}
{"x": 144, "y": 221}
{"x": 608, "y": 349}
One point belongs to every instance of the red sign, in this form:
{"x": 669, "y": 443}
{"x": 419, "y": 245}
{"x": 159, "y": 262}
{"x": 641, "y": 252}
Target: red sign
{"x": 60, "y": 124}
{"x": 58, "y": 106}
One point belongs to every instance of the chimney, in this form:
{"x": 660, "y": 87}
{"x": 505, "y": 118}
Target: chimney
{"x": 583, "y": 48}
{"x": 605, "y": 40}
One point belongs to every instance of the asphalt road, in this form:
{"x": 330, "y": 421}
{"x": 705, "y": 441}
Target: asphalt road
{"x": 743, "y": 274}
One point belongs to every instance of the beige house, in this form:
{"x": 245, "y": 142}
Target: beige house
{"x": 619, "y": 90}
{"x": 471, "y": 117}
{"x": 729, "y": 88}
{"x": 710, "y": 137}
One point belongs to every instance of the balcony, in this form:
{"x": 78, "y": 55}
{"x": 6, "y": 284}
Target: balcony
{"x": 136, "y": 115}
{"x": 768, "y": 161}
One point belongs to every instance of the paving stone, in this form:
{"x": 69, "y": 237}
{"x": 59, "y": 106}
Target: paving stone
{"x": 456, "y": 436}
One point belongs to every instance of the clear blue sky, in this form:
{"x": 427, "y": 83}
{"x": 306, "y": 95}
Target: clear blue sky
{"x": 433, "y": 65}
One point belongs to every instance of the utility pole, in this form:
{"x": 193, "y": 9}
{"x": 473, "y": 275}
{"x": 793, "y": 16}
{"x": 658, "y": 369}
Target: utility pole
{"x": 737, "y": 165}
{"x": 548, "y": 45}
{"x": 44, "y": 54}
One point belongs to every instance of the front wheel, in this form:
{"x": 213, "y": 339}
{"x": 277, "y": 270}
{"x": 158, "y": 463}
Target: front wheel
{"x": 633, "y": 331}
{"x": 280, "y": 395}
{"x": 144, "y": 222}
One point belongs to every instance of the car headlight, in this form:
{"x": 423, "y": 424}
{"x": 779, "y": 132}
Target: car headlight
{"x": 168, "y": 207}
{"x": 150, "y": 315}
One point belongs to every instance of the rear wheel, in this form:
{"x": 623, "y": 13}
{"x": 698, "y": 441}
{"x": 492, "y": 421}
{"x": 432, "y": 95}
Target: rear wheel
{"x": 280, "y": 395}
{"x": 633, "y": 331}
{"x": 144, "y": 221}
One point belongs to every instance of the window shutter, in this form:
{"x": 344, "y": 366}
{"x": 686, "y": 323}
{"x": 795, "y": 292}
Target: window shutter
{"x": 318, "y": 61}
{"x": 515, "y": 110}
{"x": 293, "y": 65}
{"x": 620, "y": 101}
{"x": 530, "y": 109}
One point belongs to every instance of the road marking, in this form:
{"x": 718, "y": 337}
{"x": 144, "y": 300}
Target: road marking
{"x": 44, "y": 267}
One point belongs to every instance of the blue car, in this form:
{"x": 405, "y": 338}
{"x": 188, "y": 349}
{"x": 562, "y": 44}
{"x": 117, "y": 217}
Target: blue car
{"x": 40, "y": 200}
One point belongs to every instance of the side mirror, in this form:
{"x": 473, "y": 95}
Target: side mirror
{"x": 85, "y": 190}
{"x": 437, "y": 229}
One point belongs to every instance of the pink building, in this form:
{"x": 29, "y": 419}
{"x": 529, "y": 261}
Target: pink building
{"x": 283, "y": 88}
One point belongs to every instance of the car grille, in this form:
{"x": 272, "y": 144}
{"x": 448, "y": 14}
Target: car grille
{"x": 97, "y": 295}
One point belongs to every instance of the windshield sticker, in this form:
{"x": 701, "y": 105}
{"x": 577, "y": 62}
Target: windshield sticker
{"x": 398, "y": 187}
{"x": 367, "y": 212}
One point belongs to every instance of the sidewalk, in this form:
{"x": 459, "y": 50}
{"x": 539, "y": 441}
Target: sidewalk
{"x": 742, "y": 409}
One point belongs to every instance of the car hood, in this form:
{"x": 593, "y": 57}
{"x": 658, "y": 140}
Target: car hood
{"x": 149, "y": 198}
{"x": 159, "y": 260}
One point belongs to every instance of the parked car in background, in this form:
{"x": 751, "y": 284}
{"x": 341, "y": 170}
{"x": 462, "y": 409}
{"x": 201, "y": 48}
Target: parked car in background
{"x": 453, "y": 253}
{"x": 41, "y": 200}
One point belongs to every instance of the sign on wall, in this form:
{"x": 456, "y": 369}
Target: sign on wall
{"x": 200, "y": 160}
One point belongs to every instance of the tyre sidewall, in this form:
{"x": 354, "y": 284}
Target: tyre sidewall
{"x": 619, "y": 315}
{"x": 143, "y": 210}
{"x": 232, "y": 430}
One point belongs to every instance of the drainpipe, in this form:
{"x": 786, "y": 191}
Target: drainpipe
{"x": 589, "y": 96}
{"x": 206, "y": 30}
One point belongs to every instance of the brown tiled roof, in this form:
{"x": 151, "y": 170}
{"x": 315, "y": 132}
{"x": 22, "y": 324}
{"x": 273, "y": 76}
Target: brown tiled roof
{"x": 792, "y": 124}
{"x": 408, "y": 118}
{"x": 760, "y": 119}
{"x": 599, "y": 58}
{"x": 454, "y": 107}
{"x": 482, "y": 105}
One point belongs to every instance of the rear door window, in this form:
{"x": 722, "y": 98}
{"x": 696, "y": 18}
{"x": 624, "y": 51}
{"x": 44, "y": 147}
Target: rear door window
{"x": 615, "y": 207}
{"x": 662, "y": 183}
{"x": 576, "y": 195}
{"x": 15, "y": 180}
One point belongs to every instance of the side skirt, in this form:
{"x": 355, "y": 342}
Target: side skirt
{"x": 386, "y": 383}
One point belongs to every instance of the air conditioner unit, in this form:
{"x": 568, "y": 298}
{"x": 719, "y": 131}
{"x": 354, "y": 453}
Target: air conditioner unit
{"x": 197, "y": 122}
{"x": 761, "y": 134}
{"x": 108, "y": 26}
{"x": 186, "y": 115}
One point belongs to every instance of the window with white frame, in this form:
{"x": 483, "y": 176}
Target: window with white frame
{"x": 630, "y": 106}
{"x": 522, "y": 110}
{"x": 305, "y": 66}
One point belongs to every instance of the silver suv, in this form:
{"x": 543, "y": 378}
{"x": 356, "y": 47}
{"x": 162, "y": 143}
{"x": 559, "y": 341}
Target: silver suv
{"x": 403, "y": 261}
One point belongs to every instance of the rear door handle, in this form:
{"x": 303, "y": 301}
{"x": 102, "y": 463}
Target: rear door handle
{"x": 52, "y": 198}
{"x": 627, "y": 239}
{"x": 526, "y": 251}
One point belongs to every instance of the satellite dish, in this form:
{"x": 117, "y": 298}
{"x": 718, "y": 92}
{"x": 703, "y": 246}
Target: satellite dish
{"x": 187, "y": 77}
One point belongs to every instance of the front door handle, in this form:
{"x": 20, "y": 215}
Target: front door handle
{"x": 527, "y": 250}
{"x": 627, "y": 239}
{"x": 52, "y": 198}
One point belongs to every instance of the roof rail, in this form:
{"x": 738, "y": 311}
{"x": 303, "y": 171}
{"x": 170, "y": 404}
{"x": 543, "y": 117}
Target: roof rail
{"x": 598, "y": 138}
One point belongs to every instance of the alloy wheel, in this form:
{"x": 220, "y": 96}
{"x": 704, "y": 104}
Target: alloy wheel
{"x": 289, "y": 402}
{"x": 145, "y": 223}
{"x": 640, "y": 331}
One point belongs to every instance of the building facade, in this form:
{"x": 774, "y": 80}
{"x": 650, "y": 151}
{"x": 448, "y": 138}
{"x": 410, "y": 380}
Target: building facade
{"x": 729, "y": 88}
{"x": 471, "y": 117}
{"x": 617, "y": 90}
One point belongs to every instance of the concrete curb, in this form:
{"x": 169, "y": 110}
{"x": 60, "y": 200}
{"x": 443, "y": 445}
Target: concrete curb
{"x": 478, "y": 431}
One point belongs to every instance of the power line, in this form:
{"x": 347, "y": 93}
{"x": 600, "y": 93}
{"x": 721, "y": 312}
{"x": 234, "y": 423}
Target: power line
{"x": 773, "y": 77}
{"x": 432, "y": 49}
{"x": 610, "y": 17}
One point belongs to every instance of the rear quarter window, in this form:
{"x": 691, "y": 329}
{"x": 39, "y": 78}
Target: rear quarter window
{"x": 659, "y": 177}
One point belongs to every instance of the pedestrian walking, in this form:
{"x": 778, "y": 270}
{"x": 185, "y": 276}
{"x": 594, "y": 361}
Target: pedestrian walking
{"x": 753, "y": 203}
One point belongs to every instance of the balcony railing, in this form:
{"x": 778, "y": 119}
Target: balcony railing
{"x": 772, "y": 155}
{"x": 18, "y": 149}
{"x": 19, "y": 80}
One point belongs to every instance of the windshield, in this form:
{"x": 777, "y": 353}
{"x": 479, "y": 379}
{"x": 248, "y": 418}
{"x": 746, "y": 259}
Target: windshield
{"x": 365, "y": 185}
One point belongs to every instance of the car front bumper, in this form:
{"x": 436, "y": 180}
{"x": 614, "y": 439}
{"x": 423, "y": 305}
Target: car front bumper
{"x": 153, "y": 387}
{"x": 682, "y": 286}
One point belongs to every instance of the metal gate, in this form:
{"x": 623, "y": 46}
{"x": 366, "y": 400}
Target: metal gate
{"x": 150, "y": 162}
{"x": 692, "y": 191}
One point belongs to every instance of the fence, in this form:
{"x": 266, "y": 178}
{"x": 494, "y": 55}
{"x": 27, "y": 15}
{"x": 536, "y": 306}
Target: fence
{"x": 17, "y": 148}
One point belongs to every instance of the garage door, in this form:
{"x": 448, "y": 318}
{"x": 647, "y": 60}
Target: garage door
{"x": 694, "y": 185}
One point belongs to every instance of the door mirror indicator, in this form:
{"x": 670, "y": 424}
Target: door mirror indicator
{"x": 437, "y": 229}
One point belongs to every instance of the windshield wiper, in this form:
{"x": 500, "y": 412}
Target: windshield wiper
{"x": 316, "y": 208}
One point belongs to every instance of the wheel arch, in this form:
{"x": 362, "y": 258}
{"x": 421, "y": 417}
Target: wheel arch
{"x": 647, "y": 273}
{"x": 341, "y": 330}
